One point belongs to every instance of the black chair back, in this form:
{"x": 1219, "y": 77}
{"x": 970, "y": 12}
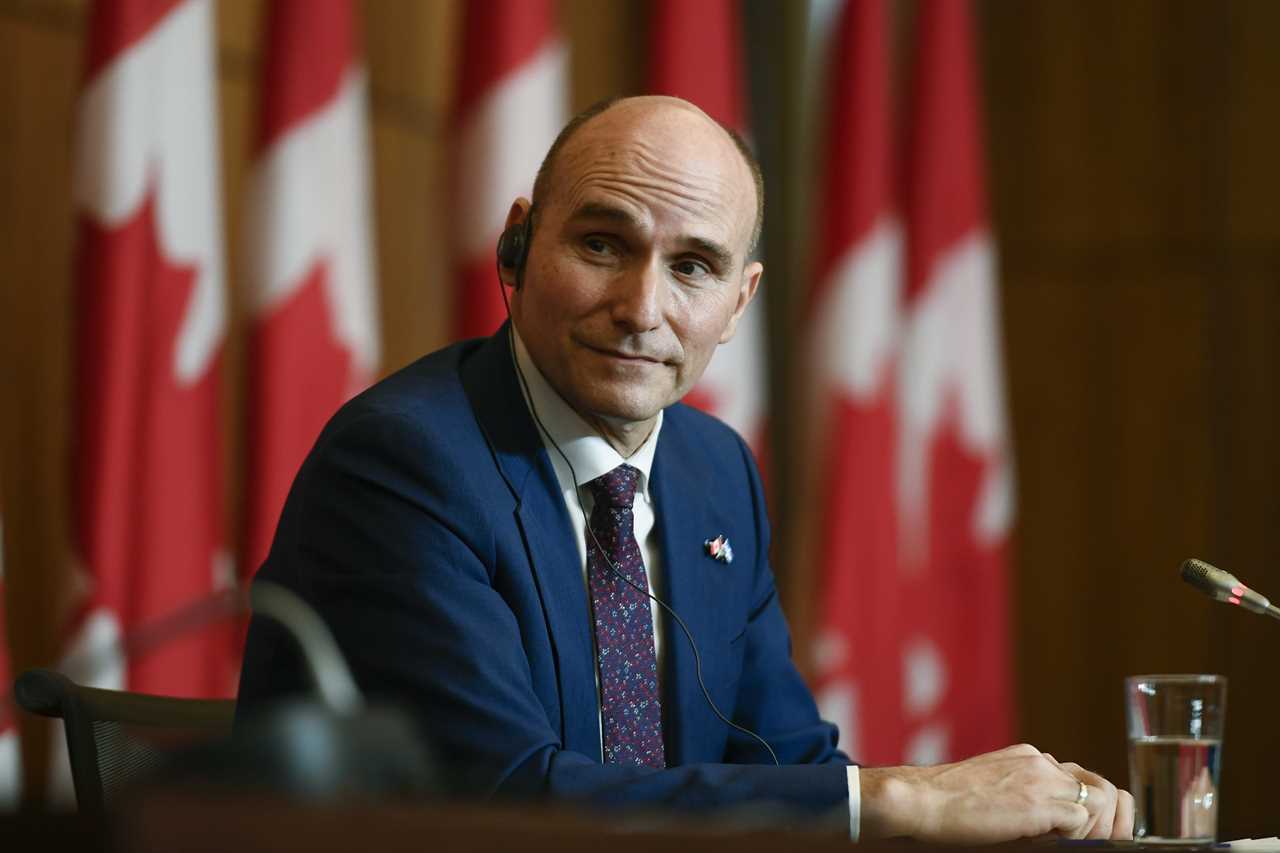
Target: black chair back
{"x": 113, "y": 736}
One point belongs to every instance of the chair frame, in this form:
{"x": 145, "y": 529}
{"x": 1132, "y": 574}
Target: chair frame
{"x": 52, "y": 694}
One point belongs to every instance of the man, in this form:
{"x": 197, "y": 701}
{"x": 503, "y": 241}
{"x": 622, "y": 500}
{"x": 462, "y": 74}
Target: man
{"x": 483, "y": 530}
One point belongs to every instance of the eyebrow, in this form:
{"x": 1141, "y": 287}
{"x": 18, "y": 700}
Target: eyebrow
{"x": 720, "y": 255}
{"x": 594, "y": 210}
{"x": 599, "y": 210}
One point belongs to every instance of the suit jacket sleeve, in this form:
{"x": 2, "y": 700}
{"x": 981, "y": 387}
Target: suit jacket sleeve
{"x": 380, "y": 534}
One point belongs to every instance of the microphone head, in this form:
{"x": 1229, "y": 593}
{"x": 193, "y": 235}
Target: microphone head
{"x": 1225, "y": 587}
{"x": 1209, "y": 579}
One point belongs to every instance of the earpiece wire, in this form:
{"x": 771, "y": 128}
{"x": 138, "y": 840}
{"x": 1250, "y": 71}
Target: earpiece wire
{"x": 697, "y": 656}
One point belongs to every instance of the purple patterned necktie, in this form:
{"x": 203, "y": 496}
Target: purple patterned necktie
{"x": 630, "y": 711}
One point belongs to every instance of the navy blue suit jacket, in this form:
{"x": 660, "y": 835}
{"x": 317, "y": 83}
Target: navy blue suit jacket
{"x": 428, "y": 529}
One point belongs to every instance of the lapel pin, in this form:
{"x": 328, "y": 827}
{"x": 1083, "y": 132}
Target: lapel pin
{"x": 719, "y": 549}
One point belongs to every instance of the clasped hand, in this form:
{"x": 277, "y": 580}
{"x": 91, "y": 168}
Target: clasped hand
{"x": 1016, "y": 792}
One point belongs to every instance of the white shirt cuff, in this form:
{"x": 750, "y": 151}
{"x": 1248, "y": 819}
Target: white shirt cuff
{"x": 855, "y": 802}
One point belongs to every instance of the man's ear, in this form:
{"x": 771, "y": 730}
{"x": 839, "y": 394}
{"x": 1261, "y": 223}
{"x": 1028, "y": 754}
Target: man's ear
{"x": 746, "y": 292}
{"x": 509, "y": 260}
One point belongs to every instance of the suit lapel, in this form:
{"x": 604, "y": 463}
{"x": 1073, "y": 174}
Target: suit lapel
{"x": 694, "y": 583}
{"x": 495, "y": 393}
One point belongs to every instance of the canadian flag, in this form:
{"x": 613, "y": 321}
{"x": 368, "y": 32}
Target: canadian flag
{"x": 694, "y": 54}
{"x": 309, "y": 250}
{"x": 150, "y": 328}
{"x": 917, "y": 498}
{"x": 511, "y": 101}
{"x": 10, "y": 744}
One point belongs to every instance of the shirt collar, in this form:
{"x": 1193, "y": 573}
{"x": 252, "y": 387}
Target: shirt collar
{"x": 590, "y": 455}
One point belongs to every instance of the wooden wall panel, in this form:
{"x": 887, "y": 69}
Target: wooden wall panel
{"x": 1246, "y": 501}
{"x": 1251, "y": 171}
{"x": 1097, "y": 471}
{"x": 606, "y": 48}
{"x": 39, "y": 70}
{"x": 409, "y": 49}
{"x": 239, "y": 29}
{"x": 1094, "y": 118}
{"x": 410, "y": 57}
{"x": 1133, "y": 180}
{"x": 416, "y": 298}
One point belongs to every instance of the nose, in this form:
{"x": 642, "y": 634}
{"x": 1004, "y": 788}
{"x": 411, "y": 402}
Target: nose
{"x": 639, "y": 298}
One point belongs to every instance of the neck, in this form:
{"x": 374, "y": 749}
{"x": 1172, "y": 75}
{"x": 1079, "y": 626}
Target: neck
{"x": 624, "y": 436}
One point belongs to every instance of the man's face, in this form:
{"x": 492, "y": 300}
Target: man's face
{"x": 638, "y": 267}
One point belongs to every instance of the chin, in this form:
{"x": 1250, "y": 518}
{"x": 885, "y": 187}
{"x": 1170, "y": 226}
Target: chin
{"x": 624, "y": 407}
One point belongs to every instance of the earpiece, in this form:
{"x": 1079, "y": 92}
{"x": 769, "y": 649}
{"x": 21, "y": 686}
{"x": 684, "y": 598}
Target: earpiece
{"x": 513, "y": 247}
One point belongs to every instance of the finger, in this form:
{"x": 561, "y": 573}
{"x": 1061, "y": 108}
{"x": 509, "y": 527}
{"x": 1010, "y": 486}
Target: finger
{"x": 1122, "y": 829}
{"x": 1070, "y": 795}
{"x": 1017, "y": 749}
{"x": 1070, "y": 820}
{"x": 1100, "y": 802}
{"x": 1102, "y": 805}
{"x": 1067, "y": 786}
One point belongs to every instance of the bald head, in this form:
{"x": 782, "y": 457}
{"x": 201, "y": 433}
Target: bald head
{"x": 639, "y": 264}
{"x": 640, "y": 115}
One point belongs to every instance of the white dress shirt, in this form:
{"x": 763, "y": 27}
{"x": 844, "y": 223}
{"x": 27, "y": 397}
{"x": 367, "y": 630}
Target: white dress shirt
{"x": 591, "y": 456}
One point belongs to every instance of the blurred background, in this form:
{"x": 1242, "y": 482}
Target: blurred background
{"x": 1119, "y": 157}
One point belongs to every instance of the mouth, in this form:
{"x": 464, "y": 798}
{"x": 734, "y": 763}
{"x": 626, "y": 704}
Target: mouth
{"x": 625, "y": 357}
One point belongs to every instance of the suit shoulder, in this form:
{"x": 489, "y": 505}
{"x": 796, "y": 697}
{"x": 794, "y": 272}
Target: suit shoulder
{"x": 419, "y": 417}
{"x": 705, "y": 432}
{"x": 429, "y": 388}
{"x": 709, "y": 448}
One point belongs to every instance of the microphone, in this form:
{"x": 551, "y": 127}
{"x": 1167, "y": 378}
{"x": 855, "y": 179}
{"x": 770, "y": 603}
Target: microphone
{"x": 334, "y": 685}
{"x": 331, "y": 679}
{"x": 322, "y": 746}
{"x": 1226, "y": 587}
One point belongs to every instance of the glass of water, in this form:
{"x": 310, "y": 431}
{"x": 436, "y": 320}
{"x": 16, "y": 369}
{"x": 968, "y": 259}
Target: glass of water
{"x": 1175, "y": 755}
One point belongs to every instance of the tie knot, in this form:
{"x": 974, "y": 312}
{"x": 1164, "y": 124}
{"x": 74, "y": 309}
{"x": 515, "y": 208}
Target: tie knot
{"x": 617, "y": 488}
